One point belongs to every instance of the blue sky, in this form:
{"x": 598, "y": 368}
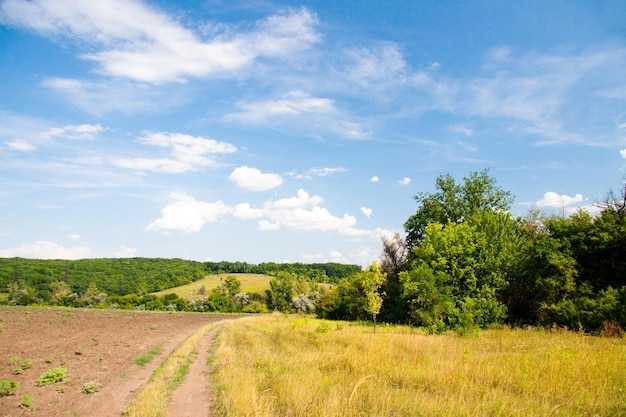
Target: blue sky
{"x": 293, "y": 131}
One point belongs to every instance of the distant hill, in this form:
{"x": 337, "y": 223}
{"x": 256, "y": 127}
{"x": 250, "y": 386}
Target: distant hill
{"x": 250, "y": 283}
{"x": 121, "y": 276}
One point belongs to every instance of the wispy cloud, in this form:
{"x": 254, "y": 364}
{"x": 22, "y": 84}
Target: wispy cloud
{"x": 187, "y": 153}
{"x": 139, "y": 42}
{"x": 293, "y": 103}
{"x": 318, "y": 172}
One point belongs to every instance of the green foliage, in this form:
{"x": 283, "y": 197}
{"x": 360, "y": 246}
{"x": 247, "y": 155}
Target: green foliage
{"x": 52, "y": 376}
{"x": 91, "y": 387}
{"x": 27, "y": 402}
{"x": 280, "y": 295}
{"x": 453, "y": 203}
{"x": 353, "y": 298}
{"x": 7, "y": 387}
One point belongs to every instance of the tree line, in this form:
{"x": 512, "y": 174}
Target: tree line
{"x": 466, "y": 263}
{"x": 77, "y": 282}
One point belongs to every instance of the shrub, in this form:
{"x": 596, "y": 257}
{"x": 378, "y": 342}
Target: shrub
{"x": 91, "y": 387}
{"x": 7, "y": 387}
{"x": 27, "y": 402}
{"x": 52, "y": 376}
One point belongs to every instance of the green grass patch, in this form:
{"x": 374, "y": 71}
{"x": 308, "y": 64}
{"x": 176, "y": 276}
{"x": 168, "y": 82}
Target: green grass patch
{"x": 250, "y": 283}
{"x": 148, "y": 356}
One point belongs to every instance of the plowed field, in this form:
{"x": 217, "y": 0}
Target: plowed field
{"x": 93, "y": 346}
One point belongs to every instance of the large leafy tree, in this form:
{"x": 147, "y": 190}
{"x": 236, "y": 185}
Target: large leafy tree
{"x": 453, "y": 203}
{"x": 459, "y": 272}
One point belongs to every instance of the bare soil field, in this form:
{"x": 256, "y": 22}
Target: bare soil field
{"x": 93, "y": 346}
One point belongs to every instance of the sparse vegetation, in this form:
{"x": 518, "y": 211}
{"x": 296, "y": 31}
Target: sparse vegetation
{"x": 7, "y": 387}
{"x": 27, "y": 402}
{"x": 147, "y": 357}
{"x": 91, "y": 387}
{"x": 52, "y": 376}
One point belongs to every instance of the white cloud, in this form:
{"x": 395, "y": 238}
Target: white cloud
{"x": 367, "y": 212}
{"x": 245, "y": 211}
{"x": 552, "y": 199}
{"x": 374, "y": 179}
{"x": 266, "y": 225}
{"x": 301, "y": 212}
{"x": 254, "y": 180}
{"x": 319, "y": 172}
{"x": 187, "y": 215}
{"x": 377, "y": 65}
{"x": 188, "y": 153}
{"x": 303, "y": 199}
{"x": 43, "y": 249}
{"x": 405, "y": 181}
{"x": 293, "y": 103}
{"x": 142, "y": 43}
{"x": 75, "y": 132}
{"x": 623, "y": 153}
{"x": 73, "y": 236}
{"x": 125, "y": 252}
{"x": 20, "y": 145}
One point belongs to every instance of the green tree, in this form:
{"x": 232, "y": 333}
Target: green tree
{"x": 280, "y": 294}
{"x": 460, "y": 271}
{"x": 453, "y": 203}
{"x": 371, "y": 281}
{"x": 231, "y": 285}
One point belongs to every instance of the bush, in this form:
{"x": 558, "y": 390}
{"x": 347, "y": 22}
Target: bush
{"x": 91, "y": 387}
{"x": 52, "y": 376}
{"x": 7, "y": 387}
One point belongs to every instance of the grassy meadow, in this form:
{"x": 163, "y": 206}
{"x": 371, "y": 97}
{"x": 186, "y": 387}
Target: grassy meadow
{"x": 296, "y": 366}
{"x": 250, "y": 283}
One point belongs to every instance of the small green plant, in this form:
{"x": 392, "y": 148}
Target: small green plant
{"x": 323, "y": 328}
{"x": 52, "y": 376}
{"x": 91, "y": 387}
{"x": 7, "y": 387}
{"x": 18, "y": 371}
{"x": 49, "y": 359}
{"x": 147, "y": 357}
{"x": 27, "y": 402}
{"x": 94, "y": 341}
{"x": 26, "y": 363}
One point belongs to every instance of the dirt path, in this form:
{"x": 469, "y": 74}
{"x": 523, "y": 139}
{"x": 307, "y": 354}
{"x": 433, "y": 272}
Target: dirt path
{"x": 193, "y": 397}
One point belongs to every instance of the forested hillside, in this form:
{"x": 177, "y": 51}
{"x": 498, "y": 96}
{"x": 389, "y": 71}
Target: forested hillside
{"x": 31, "y": 281}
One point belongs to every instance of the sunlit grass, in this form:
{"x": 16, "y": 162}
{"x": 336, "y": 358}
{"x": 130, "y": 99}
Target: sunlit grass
{"x": 294, "y": 366}
{"x": 250, "y": 283}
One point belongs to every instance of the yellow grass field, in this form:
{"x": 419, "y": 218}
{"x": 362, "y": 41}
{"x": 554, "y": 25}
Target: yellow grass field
{"x": 250, "y": 283}
{"x": 298, "y": 366}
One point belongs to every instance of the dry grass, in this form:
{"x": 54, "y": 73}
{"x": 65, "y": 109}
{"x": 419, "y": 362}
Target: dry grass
{"x": 294, "y": 366}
